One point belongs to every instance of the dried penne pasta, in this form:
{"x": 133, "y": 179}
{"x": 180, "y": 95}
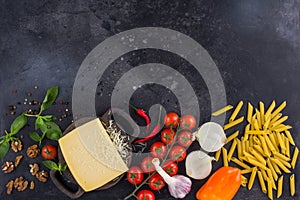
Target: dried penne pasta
{"x": 244, "y": 181}
{"x": 232, "y": 149}
{"x": 251, "y": 143}
{"x": 222, "y": 110}
{"x": 279, "y": 109}
{"x": 246, "y": 171}
{"x": 259, "y": 149}
{"x": 239, "y": 148}
{"x": 295, "y": 157}
{"x": 269, "y": 143}
{"x": 267, "y": 123}
{"x": 233, "y": 123}
{"x": 252, "y": 177}
{"x": 264, "y": 174}
{"x": 282, "y": 128}
{"x": 247, "y": 145}
{"x": 256, "y": 163}
{"x": 270, "y": 189}
{"x": 279, "y": 155}
{"x": 280, "y": 165}
{"x": 264, "y": 146}
{"x": 236, "y": 111}
{"x": 262, "y": 182}
{"x": 278, "y": 122}
{"x": 249, "y": 113}
{"x": 225, "y": 159}
{"x": 255, "y": 124}
{"x": 270, "y": 176}
{"x": 217, "y": 155}
{"x": 276, "y": 168}
{"x": 275, "y": 118}
{"x": 258, "y": 132}
{"x": 262, "y": 112}
{"x": 274, "y": 174}
{"x": 270, "y": 109}
{"x": 258, "y": 118}
{"x": 232, "y": 136}
{"x": 292, "y": 185}
{"x": 287, "y": 145}
{"x": 273, "y": 140}
{"x": 285, "y": 163}
{"x": 240, "y": 163}
{"x": 280, "y": 140}
{"x": 279, "y": 186}
{"x": 256, "y": 140}
{"x": 257, "y": 155}
{"x": 289, "y": 136}
{"x": 246, "y": 135}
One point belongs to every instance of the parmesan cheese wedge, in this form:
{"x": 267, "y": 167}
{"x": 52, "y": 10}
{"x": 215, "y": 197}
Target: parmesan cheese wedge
{"x": 91, "y": 156}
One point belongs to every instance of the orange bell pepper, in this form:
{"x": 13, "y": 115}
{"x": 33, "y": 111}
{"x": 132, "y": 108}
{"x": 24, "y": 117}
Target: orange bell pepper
{"x": 222, "y": 185}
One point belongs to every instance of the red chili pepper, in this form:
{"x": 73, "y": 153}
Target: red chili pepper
{"x": 154, "y": 132}
{"x": 144, "y": 115}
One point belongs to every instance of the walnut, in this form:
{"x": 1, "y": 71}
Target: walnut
{"x": 34, "y": 168}
{"x": 31, "y": 185}
{"x": 42, "y": 176}
{"x": 9, "y": 187}
{"x": 33, "y": 151}
{"x": 8, "y": 167}
{"x": 16, "y": 145}
{"x": 20, "y": 184}
{"x": 18, "y": 160}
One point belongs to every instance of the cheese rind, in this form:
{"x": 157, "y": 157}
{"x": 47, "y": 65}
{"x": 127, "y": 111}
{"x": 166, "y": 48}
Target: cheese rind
{"x": 86, "y": 150}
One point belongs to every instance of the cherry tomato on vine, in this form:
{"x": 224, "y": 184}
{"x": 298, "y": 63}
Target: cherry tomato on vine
{"x": 167, "y": 135}
{"x": 187, "y": 122}
{"x": 147, "y": 165}
{"x": 49, "y": 152}
{"x": 171, "y": 167}
{"x": 135, "y": 175}
{"x": 156, "y": 182}
{"x": 171, "y": 120}
{"x": 178, "y": 153}
{"x": 158, "y": 150}
{"x": 145, "y": 195}
{"x": 185, "y": 138}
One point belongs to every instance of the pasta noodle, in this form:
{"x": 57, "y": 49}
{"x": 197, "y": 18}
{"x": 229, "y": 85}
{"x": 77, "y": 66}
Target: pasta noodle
{"x": 287, "y": 145}
{"x": 270, "y": 189}
{"x": 267, "y": 123}
{"x": 262, "y": 112}
{"x": 270, "y": 176}
{"x": 281, "y": 143}
{"x": 258, "y": 132}
{"x": 275, "y": 118}
{"x": 257, "y": 164}
{"x": 256, "y": 125}
{"x": 289, "y": 136}
{"x": 244, "y": 181}
{"x": 270, "y": 109}
{"x": 278, "y": 122}
{"x": 236, "y": 111}
{"x": 295, "y": 157}
{"x": 246, "y": 171}
{"x": 225, "y": 159}
{"x": 232, "y": 149}
{"x": 269, "y": 143}
{"x": 273, "y": 140}
{"x": 280, "y": 165}
{"x": 278, "y": 155}
{"x": 259, "y": 149}
{"x": 217, "y": 155}
{"x": 276, "y": 168}
{"x": 264, "y": 174}
{"x": 222, "y": 110}
{"x": 279, "y": 109}
{"x": 279, "y": 187}
{"x": 274, "y": 174}
{"x": 258, "y": 116}
{"x": 239, "y": 148}
{"x": 252, "y": 177}
{"x": 232, "y": 136}
{"x": 262, "y": 182}
{"x": 292, "y": 185}
{"x": 257, "y": 155}
{"x": 240, "y": 163}
{"x": 233, "y": 123}
{"x": 282, "y": 128}
{"x": 249, "y": 113}
{"x": 264, "y": 146}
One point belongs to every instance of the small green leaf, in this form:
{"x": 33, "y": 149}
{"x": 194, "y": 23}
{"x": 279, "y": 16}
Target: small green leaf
{"x": 35, "y": 136}
{"x": 49, "y": 118}
{"x": 52, "y": 131}
{"x": 49, "y": 98}
{"x": 51, "y": 165}
{"x": 4, "y": 147}
{"x": 39, "y": 123}
{"x": 18, "y": 124}
{"x": 62, "y": 166}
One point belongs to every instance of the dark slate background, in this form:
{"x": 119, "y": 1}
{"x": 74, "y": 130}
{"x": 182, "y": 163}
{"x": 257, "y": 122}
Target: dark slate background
{"x": 254, "y": 43}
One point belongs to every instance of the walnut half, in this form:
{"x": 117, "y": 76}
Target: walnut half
{"x": 8, "y": 167}
{"x": 18, "y": 160}
{"x": 33, "y": 151}
{"x": 16, "y": 145}
{"x": 9, "y": 187}
{"x": 42, "y": 176}
{"x": 34, "y": 168}
{"x": 20, "y": 184}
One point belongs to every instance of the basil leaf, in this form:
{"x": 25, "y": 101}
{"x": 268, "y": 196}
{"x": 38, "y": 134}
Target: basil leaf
{"x": 4, "y": 147}
{"x": 35, "y": 136}
{"x": 50, "y": 164}
{"x": 18, "y": 124}
{"x": 49, "y": 98}
{"x": 52, "y": 131}
{"x": 49, "y": 118}
{"x": 39, "y": 123}
{"x": 62, "y": 166}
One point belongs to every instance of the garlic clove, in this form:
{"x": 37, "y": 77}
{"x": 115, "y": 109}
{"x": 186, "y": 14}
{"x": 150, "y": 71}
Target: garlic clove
{"x": 211, "y": 136}
{"x": 198, "y": 165}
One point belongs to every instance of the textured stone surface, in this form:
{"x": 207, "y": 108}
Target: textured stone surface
{"x": 255, "y": 44}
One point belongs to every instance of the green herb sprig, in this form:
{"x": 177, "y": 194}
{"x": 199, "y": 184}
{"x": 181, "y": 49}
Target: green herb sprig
{"x": 55, "y": 167}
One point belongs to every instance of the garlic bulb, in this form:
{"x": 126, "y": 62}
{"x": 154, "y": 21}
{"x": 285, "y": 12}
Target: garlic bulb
{"x": 211, "y": 136}
{"x": 179, "y": 185}
{"x": 198, "y": 165}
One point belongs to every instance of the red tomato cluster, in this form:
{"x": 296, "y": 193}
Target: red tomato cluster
{"x": 170, "y": 138}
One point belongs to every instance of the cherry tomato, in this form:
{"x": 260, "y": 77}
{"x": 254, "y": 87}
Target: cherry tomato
{"x": 185, "y": 138}
{"x": 49, "y": 152}
{"x": 156, "y": 182}
{"x": 170, "y": 167}
{"x": 145, "y": 195}
{"x": 167, "y": 135}
{"x": 147, "y": 165}
{"x": 158, "y": 150}
{"x": 178, "y": 153}
{"x": 187, "y": 122}
{"x": 171, "y": 120}
{"x": 135, "y": 175}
